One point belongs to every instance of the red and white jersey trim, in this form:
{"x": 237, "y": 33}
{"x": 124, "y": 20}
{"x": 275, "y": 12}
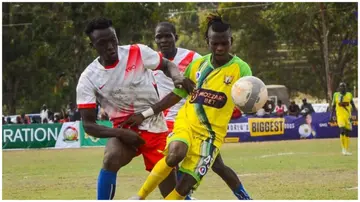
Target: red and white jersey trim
{"x": 125, "y": 88}
{"x": 165, "y": 85}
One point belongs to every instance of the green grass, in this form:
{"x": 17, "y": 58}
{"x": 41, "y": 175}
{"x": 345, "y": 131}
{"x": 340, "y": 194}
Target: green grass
{"x": 304, "y": 169}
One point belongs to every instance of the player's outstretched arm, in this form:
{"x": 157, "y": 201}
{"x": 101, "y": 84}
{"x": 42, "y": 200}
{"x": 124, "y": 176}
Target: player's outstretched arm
{"x": 168, "y": 101}
{"x": 171, "y": 70}
{"x": 92, "y": 128}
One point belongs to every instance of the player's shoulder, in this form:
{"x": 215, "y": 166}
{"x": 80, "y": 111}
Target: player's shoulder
{"x": 187, "y": 51}
{"x": 90, "y": 69}
{"x": 240, "y": 62}
{"x": 349, "y": 94}
{"x": 200, "y": 60}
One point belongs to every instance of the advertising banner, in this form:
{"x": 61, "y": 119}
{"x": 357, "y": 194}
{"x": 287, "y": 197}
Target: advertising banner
{"x": 90, "y": 141}
{"x": 316, "y": 125}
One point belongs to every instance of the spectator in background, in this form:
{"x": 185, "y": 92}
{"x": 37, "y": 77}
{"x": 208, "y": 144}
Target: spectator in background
{"x": 56, "y": 118}
{"x": 294, "y": 109}
{"x": 269, "y": 108}
{"x": 280, "y": 109}
{"x": 8, "y": 120}
{"x": 236, "y": 114}
{"x": 25, "y": 119}
{"x": 306, "y": 108}
{"x": 3, "y": 120}
{"x": 44, "y": 114}
{"x": 18, "y": 120}
{"x": 33, "y": 120}
{"x": 73, "y": 112}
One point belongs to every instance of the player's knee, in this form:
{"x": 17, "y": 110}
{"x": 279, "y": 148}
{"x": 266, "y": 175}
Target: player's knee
{"x": 112, "y": 161}
{"x": 173, "y": 158}
{"x": 116, "y": 156}
{"x": 177, "y": 152}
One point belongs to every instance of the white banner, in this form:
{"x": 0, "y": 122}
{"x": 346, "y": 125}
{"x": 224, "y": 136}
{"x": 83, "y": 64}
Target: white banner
{"x": 69, "y": 136}
{"x": 238, "y": 128}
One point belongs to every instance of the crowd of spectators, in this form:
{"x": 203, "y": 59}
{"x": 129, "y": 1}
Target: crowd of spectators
{"x": 72, "y": 113}
{"x": 279, "y": 109}
{"x": 47, "y": 116}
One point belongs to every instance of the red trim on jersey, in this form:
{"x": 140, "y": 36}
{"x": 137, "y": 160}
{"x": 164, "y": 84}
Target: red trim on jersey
{"x": 166, "y": 111}
{"x": 186, "y": 61}
{"x": 159, "y": 65}
{"x": 87, "y": 106}
{"x": 113, "y": 65}
{"x": 134, "y": 59}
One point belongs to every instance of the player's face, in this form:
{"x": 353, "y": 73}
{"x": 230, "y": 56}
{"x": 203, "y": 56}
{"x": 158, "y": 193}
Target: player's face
{"x": 105, "y": 42}
{"x": 165, "y": 39}
{"x": 342, "y": 87}
{"x": 219, "y": 44}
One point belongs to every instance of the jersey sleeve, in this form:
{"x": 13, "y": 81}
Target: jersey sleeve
{"x": 180, "y": 91}
{"x": 85, "y": 94}
{"x": 196, "y": 56}
{"x": 245, "y": 70}
{"x": 333, "y": 99}
{"x": 150, "y": 58}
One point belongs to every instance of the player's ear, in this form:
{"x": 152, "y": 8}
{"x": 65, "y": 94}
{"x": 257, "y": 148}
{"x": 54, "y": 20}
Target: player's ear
{"x": 207, "y": 41}
{"x": 176, "y": 37}
{"x": 231, "y": 40}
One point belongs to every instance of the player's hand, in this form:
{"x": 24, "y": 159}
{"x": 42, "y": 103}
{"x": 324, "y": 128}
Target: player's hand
{"x": 188, "y": 85}
{"x": 185, "y": 83}
{"x": 178, "y": 81}
{"x": 133, "y": 120}
{"x": 131, "y": 138}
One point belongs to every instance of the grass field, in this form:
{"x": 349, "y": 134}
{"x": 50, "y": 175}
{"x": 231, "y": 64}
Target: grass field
{"x": 303, "y": 169}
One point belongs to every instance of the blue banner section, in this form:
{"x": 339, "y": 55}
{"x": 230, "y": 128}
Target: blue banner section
{"x": 316, "y": 125}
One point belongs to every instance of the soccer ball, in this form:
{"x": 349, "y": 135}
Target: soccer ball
{"x": 249, "y": 94}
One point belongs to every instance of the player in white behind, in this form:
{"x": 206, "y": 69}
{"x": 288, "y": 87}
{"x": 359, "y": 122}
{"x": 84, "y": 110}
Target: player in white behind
{"x": 121, "y": 80}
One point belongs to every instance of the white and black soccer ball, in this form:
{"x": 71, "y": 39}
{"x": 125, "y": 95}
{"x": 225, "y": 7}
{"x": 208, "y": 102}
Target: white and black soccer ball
{"x": 249, "y": 94}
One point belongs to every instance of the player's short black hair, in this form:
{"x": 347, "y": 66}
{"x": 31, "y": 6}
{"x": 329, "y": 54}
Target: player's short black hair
{"x": 216, "y": 23}
{"x": 98, "y": 23}
{"x": 169, "y": 25}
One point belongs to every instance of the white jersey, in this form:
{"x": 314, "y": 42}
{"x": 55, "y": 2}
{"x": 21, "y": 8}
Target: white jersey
{"x": 165, "y": 85}
{"x": 125, "y": 88}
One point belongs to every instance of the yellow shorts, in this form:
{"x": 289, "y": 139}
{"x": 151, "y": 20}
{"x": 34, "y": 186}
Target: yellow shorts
{"x": 344, "y": 122}
{"x": 200, "y": 155}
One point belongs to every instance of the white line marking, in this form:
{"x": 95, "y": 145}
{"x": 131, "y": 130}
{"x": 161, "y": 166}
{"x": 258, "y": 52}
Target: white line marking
{"x": 278, "y": 154}
{"x": 352, "y": 188}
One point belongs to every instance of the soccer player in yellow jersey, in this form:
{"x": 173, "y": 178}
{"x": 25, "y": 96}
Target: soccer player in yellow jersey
{"x": 343, "y": 104}
{"x": 201, "y": 124}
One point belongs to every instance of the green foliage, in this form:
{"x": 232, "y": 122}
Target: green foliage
{"x": 282, "y": 42}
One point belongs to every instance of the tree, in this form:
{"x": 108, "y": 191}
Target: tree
{"x": 299, "y": 25}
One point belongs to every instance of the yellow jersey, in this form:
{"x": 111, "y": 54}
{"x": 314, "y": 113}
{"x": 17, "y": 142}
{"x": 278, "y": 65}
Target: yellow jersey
{"x": 209, "y": 108}
{"x": 342, "y": 111}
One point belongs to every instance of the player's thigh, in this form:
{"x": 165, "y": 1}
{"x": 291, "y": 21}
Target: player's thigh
{"x": 178, "y": 143}
{"x": 348, "y": 126}
{"x": 341, "y": 121}
{"x": 152, "y": 150}
{"x": 199, "y": 159}
{"x": 117, "y": 154}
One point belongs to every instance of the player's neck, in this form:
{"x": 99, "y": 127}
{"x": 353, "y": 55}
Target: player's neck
{"x": 171, "y": 54}
{"x": 216, "y": 63}
{"x": 107, "y": 63}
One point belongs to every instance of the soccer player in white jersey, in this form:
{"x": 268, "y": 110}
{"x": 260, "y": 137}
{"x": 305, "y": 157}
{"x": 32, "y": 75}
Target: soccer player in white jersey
{"x": 121, "y": 80}
{"x": 165, "y": 38}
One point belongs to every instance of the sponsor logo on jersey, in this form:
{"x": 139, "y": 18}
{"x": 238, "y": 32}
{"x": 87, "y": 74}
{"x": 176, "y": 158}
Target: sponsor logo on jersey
{"x": 228, "y": 79}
